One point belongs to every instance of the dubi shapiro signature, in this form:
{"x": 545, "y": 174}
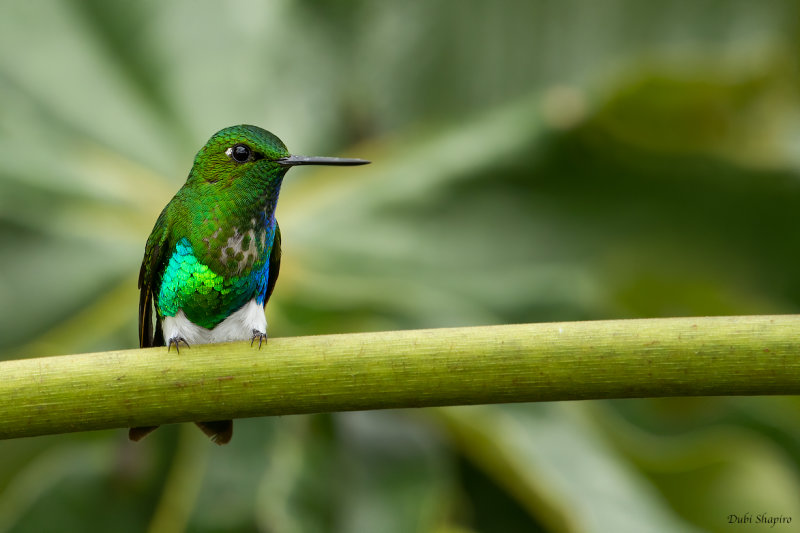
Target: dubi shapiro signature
{"x": 762, "y": 518}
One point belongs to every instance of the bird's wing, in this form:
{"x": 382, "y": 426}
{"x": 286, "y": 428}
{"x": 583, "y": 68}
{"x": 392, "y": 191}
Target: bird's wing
{"x": 155, "y": 255}
{"x": 274, "y": 262}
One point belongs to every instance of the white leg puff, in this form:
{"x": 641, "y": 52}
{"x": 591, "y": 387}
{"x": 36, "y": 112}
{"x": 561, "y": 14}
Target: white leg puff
{"x": 240, "y": 326}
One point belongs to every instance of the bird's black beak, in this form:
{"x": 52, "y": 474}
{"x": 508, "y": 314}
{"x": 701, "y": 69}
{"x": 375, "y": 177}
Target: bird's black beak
{"x": 294, "y": 160}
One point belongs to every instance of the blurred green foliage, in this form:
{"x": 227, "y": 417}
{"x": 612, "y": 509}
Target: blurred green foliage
{"x": 533, "y": 161}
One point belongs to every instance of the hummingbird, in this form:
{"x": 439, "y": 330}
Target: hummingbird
{"x": 213, "y": 257}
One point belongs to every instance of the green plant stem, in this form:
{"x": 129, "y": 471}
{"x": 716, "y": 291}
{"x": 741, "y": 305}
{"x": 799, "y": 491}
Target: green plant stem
{"x": 754, "y": 355}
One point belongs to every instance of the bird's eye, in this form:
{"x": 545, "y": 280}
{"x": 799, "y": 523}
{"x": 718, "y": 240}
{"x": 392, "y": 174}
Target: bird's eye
{"x": 239, "y": 152}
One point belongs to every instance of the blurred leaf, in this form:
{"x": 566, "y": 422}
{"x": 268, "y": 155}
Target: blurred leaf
{"x": 542, "y": 456}
{"x": 722, "y": 464}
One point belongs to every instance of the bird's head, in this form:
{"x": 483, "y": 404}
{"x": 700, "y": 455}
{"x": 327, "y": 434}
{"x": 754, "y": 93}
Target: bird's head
{"x": 249, "y": 158}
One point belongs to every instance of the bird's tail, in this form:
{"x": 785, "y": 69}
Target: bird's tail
{"x": 137, "y": 434}
{"x": 219, "y": 431}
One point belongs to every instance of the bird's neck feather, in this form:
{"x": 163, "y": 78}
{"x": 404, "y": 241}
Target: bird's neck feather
{"x": 233, "y": 232}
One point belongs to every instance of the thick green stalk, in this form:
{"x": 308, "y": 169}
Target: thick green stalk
{"x": 494, "y": 364}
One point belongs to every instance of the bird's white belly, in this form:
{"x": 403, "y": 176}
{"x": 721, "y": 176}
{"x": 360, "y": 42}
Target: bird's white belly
{"x": 238, "y": 326}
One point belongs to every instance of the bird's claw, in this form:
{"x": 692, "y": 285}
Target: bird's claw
{"x": 261, "y": 336}
{"x": 177, "y": 341}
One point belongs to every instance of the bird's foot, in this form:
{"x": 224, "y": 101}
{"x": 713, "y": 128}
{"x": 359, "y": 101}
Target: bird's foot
{"x": 261, "y": 336}
{"x": 177, "y": 342}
